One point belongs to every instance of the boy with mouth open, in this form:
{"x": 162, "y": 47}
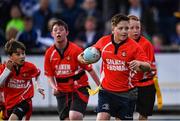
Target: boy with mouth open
{"x": 16, "y": 79}
{"x": 66, "y": 75}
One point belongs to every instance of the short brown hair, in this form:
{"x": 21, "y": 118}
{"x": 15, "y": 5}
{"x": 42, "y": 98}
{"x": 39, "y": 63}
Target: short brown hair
{"x": 117, "y": 18}
{"x": 133, "y": 17}
{"x": 59, "y": 22}
{"x": 12, "y": 45}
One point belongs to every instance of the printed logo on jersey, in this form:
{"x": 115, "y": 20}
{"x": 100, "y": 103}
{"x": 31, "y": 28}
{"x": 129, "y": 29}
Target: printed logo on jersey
{"x": 105, "y": 106}
{"x": 116, "y": 65}
{"x": 15, "y": 83}
{"x": 68, "y": 58}
{"x": 24, "y": 74}
{"x": 63, "y": 69}
{"x": 124, "y": 54}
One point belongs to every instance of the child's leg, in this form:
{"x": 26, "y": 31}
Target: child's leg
{"x": 13, "y": 117}
{"x": 18, "y": 111}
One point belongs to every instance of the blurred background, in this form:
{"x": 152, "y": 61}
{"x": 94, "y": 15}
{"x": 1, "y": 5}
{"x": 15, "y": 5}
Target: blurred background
{"x": 28, "y": 21}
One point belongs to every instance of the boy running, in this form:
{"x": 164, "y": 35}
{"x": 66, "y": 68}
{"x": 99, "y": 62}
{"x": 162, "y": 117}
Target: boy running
{"x": 66, "y": 75}
{"x": 122, "y": 57}
{"x": 16, "y": 78}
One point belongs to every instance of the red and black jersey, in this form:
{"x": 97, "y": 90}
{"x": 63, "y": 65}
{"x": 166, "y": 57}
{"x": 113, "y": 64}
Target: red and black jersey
{"x": 18, "y": 85}
{"x": 115, "y": 75}
{"x": 147, "y": 77}
{"x": 65, "y": 67}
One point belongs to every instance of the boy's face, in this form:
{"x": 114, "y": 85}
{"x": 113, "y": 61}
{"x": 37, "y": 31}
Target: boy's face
{"x": 18, "y": 57}
{"x": 59, "y": 33}
{"x": 121, "y": 31}
{"x": 134, "y": 29}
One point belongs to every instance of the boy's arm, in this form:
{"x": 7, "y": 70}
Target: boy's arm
{"x": 139, "y": 66}
{"x": 96, "y": 79}
{"x": 40, "y": 89}
{"x": 94, "y": 76}
{"x": 53, "y": 84}
{"x": 144, "y": 66}
{"x": 6, "y": 71}
{"x": 4, "y": 75}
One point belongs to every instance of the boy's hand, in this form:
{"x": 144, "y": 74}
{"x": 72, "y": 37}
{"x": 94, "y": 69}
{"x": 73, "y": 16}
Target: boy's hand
{"x": 81, "y": 59}
{"x": 10, "y": 64}
{"x": 41, "y": 91}
{"x": 55, "y": 92}
{"x": 134, "y": 65}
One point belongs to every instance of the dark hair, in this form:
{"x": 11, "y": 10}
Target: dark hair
{"x": 59, "y": 22}
{"x": 12, "y": 45}
{"x": 117, "y": 18}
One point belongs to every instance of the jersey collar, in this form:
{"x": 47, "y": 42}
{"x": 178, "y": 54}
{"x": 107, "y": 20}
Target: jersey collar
{"x": 61, "y": 52}
{"x": 116, "y": 45}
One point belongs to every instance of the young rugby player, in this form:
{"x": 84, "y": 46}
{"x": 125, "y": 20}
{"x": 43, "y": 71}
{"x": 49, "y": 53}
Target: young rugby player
{"x": 66, "y": 75}
{"x": 144, "y": 81}
{"x": 16, "y": 78}
{"x": 122, "y": 57}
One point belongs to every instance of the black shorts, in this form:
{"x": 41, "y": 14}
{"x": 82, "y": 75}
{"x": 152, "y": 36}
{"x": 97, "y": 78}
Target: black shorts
{"x": 20, "y": 109}
{"x": 119, "y": 105}
{"x": 146, "y": 99}
{"x": 71, "y": 101}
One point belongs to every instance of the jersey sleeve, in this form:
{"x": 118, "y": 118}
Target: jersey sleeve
{"x": 36, "y": 72}
{"x": 149, "y": 50}
{"x": 33, "y": 70}
{"x": 47, "y": 65}
{"x": 99, "y": 44}
{"x": 140, "y": 54}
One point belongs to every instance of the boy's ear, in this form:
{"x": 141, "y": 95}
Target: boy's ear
{"x": 67, "y": 33}
{"x": 51, "y": 34}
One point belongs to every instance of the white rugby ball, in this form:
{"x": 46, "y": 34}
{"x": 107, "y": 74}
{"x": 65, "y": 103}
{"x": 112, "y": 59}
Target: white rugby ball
{"x": 91, "y": 54}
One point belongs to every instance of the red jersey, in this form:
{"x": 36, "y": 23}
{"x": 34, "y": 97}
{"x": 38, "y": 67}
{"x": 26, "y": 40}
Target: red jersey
{"x": 115, "y": 75}
{"x": 147, "y": 76}
{"x": 65, "y": 67}
{"x": 18, "y": 85}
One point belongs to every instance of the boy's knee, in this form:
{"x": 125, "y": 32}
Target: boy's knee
{"x": 74, "y": 115}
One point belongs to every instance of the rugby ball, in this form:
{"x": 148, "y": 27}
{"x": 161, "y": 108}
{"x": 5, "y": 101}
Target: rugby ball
{"x": 91, "y": 54}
